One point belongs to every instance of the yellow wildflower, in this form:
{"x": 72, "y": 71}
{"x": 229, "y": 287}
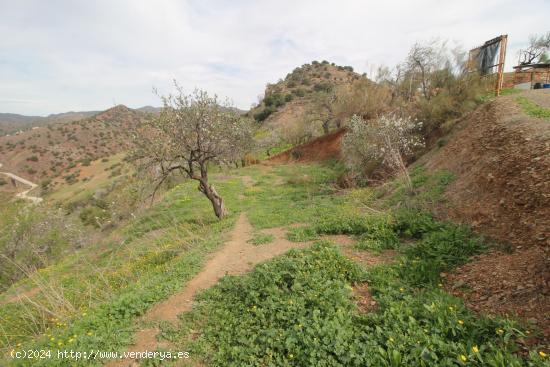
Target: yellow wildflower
{"x": 463, "y": 358}
{"x": 475, "y": 349}
{"x": 542, "y": 354}
{"x": 500, "y": 331}
{"x": 461, "y": 322}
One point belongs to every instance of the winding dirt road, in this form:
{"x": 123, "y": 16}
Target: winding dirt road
{"x": 23, "y": 194}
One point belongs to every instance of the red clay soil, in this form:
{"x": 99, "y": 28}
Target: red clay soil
{"x": 320, "y": 149}
{"x": 501, "y": 158}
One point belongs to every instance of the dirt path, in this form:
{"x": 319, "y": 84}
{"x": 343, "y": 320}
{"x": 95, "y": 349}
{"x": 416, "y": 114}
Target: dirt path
{"x": 248, "y": 181}
{"x": 236, "y": 257}
{"x": 23, "y": 194}
{"x": 21, "y": 296}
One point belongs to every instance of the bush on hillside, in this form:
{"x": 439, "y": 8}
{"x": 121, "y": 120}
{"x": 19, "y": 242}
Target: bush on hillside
{"x": 299, "y": 92}
{"x": 323, "y": 87}
{"x": 94, "y": 216}
{"x": 264, "y": 113}
{"x": 274, "y": 100}
{"x": 387, "y": 141}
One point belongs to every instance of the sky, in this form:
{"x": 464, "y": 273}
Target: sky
{"x": 77, "y": 55}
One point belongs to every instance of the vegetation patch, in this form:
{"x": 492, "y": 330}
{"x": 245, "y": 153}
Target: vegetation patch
{"x": 290, "y": 311}
{"x": 299, "y": 310}
{"x": 533, "y": 109}
{"x": 261, "y": 239}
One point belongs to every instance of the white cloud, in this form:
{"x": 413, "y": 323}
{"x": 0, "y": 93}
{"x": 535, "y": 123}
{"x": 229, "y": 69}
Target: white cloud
{"x": 78, "y": 55}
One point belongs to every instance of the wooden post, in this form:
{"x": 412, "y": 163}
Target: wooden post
{"x": 501, "y": 59}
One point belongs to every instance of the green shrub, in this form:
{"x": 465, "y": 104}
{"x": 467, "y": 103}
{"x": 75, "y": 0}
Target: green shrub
{"x": 414, "y": 223}
{"x": 45, "y": 184}
{"x": 264, "y": 114}
{"x": 299, "y": 92}
{"x": 93, "y": 216}
{"x": 323, "y": 87}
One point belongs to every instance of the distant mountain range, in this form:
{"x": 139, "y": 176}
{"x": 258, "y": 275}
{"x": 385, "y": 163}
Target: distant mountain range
{"x": 10, "y": 123}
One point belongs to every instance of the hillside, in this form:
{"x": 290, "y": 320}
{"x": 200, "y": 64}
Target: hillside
{"x": 46, "y": 152}
{"x": 11, "y": 123}
{"x": 298, "y": 259}
{"x": 314, "y": 264}
{"x": 288, "y": 100}
{"x": 500, "y": 160}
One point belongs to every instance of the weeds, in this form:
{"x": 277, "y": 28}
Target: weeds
{"x": 294, "y": 308}
{"x": 261, "y": 239}
{"x": 438, "y": 251}
{"x": 533, "y": 109}
{"x": 299, "y": 310}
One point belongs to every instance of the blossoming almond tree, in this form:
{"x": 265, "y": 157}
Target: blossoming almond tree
{"x": 192, "y": 132}
{"x": 386, "y": 139}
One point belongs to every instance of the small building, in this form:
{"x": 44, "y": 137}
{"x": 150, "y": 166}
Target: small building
{"x": 526, "y": 76}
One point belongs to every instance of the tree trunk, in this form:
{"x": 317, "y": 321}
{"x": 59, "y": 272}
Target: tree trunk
{"x": 214, "y": 197}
